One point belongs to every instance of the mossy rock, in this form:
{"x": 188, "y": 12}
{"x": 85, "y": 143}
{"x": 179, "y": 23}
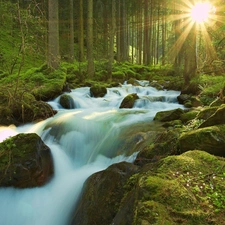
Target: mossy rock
{"x": 217, "y": 118}
{"x": 182, "y": 98}
{"x": 98, "y": 90}
{"x": 169, "y": 115}
{"x": 25, "y": 161}
{"x": 209, "y": 139}
{"x": 66, "y": 101}
{"x": 175, "y": 190}
{"x": 129, "y": 100}
{"x": 188, "y": 116}
{"x": 118, "y": 76}
{"x": 23, "y": 108}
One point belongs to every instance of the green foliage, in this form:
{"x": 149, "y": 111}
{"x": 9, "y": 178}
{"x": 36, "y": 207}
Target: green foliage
{"x": 34, "y": 32}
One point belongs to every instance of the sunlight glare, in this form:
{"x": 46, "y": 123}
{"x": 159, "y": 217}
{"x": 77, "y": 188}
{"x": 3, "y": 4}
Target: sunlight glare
{"x": 200, "y": 12}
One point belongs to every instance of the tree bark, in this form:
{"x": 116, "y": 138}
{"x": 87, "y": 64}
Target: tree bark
{"x": 53, "y": 34}
{"x": 112, "y": 34}
{"x": 81, "y": 32}
{"x": 190, "y": 60}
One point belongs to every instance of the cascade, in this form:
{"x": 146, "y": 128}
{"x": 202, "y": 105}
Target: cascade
{"x": 83, "y": 141}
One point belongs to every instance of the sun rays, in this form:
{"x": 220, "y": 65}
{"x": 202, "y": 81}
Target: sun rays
{"x": 195, "y": 19}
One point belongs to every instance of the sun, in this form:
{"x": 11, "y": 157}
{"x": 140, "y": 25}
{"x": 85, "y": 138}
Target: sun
{"x": 201, "y": 12}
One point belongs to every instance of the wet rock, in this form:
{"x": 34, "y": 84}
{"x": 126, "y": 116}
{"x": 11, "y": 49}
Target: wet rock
{"x": 25, "y": 161}
{"x": 165, "y": 116}
{"x": 182, "y": 98}
{"x": 128, "y": 101}
{"x": 66, "y": 101}
{"x": 102, "y": 194}
{"x": 209, "y": 139}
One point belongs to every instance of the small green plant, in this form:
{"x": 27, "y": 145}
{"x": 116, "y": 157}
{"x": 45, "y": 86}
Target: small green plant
{"x": 193, "y": 124}
{"x": 208, "y": 189}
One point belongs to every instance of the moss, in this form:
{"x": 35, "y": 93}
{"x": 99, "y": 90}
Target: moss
{"x": 182, "y": 189}
{"x": 187, "y": 116}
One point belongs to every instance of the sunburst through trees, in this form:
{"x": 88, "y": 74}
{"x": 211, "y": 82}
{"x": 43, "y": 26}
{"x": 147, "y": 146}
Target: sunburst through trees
{"x": 193, "y": 20}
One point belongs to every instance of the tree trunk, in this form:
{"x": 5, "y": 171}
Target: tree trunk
{"x": 112, "y": 34}
{"x": 53, "y": 34}
{"x": 71, "y": 50}
{"x": 190, "y": 61}
{"x": 81, "y": 32}
{"x": 90, "y": 57}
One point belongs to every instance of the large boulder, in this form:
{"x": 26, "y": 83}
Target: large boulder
{"x": 210, "y": 139}
{"x": 25, "y": 161}
{"x": 129, "y": 100}
{"x": 176, "y": 190}
{"x": 102, "y": 194}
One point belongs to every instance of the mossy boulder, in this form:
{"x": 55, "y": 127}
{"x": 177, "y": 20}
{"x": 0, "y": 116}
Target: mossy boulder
{"x": 129, "y": 100}
{"x": 66, "y": 101}
{"x": 23, "y": 108}
{"x": 218, "y": 117}
{"x": 175, "y": 190}
{"x": 169, "y": 115}
{"x": 25, "y": 161}
{"x": 209, "y": 139}
{"x": 98, "y": 90}
{"x": 102, "y": 194}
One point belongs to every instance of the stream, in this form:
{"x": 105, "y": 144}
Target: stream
{"x": 83, "y": 141}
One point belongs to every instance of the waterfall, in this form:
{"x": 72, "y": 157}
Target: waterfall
{"x": 83, "y": 141}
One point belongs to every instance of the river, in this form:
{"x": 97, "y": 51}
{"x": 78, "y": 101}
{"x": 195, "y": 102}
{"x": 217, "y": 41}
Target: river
{"x": 83, "y": 141}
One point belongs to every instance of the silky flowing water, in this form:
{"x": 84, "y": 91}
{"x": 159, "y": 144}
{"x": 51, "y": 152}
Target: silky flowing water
{"x": 83, "y": 141}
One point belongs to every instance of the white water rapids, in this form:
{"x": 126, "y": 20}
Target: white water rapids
{"x": 82, "y": 141}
